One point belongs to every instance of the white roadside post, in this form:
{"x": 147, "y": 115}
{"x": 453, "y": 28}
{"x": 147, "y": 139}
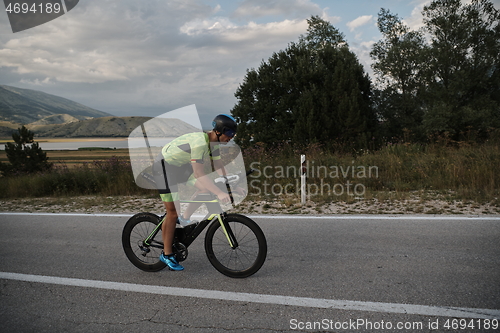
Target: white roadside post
{"x": 303, "y": 179}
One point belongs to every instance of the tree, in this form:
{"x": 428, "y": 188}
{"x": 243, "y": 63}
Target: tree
{"x": 464, "y": 88}
{"x": 401, "y": 68}
{"x": 321, "y": 33}
{"x": 447, "y": 86}
{"x": 25, "y": 155}
{"x": 313, "y": 91}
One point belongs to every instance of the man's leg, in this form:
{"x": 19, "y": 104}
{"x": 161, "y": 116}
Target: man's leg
{"x": 168, "y": 227}
{"x": 167, "y": 233}
{"x": 193, "y": 206}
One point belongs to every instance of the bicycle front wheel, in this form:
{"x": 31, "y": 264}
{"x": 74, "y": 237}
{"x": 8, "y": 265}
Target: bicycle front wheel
{"x": 244, "y": 260}
{"x": 136, "y": 231}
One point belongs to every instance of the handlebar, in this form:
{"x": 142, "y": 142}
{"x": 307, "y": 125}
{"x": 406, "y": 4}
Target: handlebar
{"x": 231, "y": 179}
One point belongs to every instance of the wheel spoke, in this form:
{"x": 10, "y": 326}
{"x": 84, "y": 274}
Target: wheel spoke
{"x": 245, "y": 259}
{"x": 137, "y": 229}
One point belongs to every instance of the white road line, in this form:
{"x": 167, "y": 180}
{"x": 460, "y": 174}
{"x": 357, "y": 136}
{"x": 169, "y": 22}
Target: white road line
{"x": 440, "y": 311}
{"x": 66, "y": 214}
{"x": 299, "y": 217}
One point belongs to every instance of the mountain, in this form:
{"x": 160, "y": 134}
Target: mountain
{"x": 55, "y": 119}
{"x": 24, "y": 106}
{"x": 113, "y": 127}
{"x": 52, "y": 116}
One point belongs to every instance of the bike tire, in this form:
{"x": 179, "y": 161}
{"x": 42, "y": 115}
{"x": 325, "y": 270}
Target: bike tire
{"x": 135, "y": 231}
{"x": 247, "y": 258}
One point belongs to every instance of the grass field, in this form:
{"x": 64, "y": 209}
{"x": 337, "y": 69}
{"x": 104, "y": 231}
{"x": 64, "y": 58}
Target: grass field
{"x": 395, "y": 172}
{"x": 75, "y": 172}
{"x": 72, "y": 158}
{"x": 5, "y": 140}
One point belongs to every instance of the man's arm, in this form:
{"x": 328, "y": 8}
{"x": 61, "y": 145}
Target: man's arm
{"x": 206, "y": 182}
{"x": 219, "y": 167}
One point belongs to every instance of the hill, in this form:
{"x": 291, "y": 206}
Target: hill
{"x": 55, "y": 119}
{"x": 112, "y": 127}
{"x": 7, "y": 128}
{"x": 52, "y": 116}
{"x": 24, "y": 106}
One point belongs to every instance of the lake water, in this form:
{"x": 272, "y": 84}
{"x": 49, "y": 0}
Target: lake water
{"x": 75, "y": 145}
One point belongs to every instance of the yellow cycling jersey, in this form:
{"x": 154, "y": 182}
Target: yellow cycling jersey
{"x": 190, "y": 148}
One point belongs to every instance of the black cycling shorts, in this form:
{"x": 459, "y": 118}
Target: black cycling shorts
{"x": 167, "y": 176}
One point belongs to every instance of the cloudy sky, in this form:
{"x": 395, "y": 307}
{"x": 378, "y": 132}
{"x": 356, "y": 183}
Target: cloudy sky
{"x": 141, "y": 57}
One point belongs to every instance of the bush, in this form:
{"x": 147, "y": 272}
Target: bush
{"x": 25, "y": 155}
{"x": 464, "y": 172}
{"x": 107, "y": 177}
{"x": 460, "y": 172}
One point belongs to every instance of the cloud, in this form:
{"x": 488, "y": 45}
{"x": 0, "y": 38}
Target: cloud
{"x": 206, "y": 26}
{"x": 358, "y": 22}
{"x": 415, "y": 20}
{"x": 103, "y": 43}
{"x": 245, "y": 37}
{"x": 362, "y": 51}
{"x": 290, "y": 8}
{"x": 121, "y": 57}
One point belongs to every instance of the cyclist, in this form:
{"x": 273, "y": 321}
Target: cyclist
{"x": 181, "y": 161}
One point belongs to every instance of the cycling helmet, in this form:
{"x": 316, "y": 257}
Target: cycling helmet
{"x": 225, "y": 124}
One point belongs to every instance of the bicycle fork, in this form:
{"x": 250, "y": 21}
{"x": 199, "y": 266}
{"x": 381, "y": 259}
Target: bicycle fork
{"x": 233, "y": 243}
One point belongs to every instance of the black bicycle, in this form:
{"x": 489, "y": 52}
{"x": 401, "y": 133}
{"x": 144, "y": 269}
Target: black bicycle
{"x": 235, "y": 244}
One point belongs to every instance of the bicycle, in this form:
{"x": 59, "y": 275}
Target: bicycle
{"x": 234, "y": 244}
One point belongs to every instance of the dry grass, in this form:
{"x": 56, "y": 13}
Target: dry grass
{"x": 410, "y": 179}
{"x": 73, "y": 158}
{"x": 5, "y": 140}
{"x": 394, "y": 172}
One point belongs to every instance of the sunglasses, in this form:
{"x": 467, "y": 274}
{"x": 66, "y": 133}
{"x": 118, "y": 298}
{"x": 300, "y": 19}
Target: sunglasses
{"x": 229, "y": 133}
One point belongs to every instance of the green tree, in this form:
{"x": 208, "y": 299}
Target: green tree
{"x": 464, "y": 88}
{"x": 401, "y": 68}
{"x": 313, "y": 91}
{"x": 449, "y": 85}
{"x": 25, "y": 155}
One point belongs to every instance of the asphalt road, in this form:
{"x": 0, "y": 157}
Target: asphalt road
{"x": 380, "y": 263}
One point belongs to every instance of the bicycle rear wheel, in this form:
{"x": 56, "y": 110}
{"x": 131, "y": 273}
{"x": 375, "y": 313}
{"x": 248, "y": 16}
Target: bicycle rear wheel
{"x": 143, "y": 256}
{"x": 247, "y": 258}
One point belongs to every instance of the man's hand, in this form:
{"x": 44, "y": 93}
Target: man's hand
{"x": 223, "y": 197}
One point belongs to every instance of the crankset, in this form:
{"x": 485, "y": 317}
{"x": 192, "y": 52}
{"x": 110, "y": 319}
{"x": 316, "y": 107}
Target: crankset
{"x": 180, "y": 251}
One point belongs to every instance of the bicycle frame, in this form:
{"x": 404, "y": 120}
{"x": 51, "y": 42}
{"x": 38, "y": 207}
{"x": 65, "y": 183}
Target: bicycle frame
{"x": 212, "y": 204}
{"x": 186, "y": 239}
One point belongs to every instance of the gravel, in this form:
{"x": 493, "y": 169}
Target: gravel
{"x": 132, "y": 204}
